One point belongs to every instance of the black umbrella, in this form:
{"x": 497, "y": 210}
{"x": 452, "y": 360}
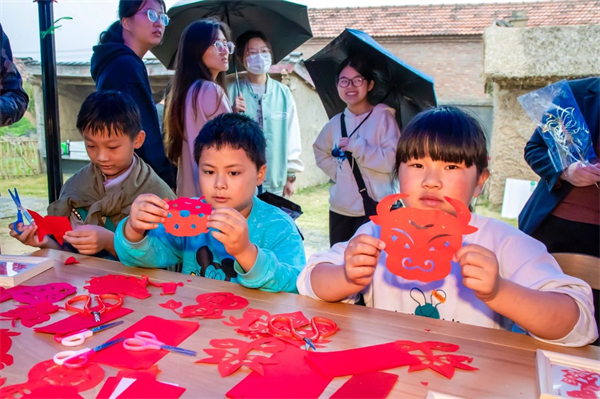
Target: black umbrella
{"x": 283, "y": 23}
{"x": 397, "y": 84}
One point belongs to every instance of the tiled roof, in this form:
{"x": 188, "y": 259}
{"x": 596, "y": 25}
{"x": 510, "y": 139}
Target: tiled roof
{"x": 448, "y": 19}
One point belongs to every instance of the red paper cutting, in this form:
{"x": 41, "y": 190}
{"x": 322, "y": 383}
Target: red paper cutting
{"x": 585, "y": 381}
{"x": 170, "y": 304}
{"x": 119, "y": 284}
{"x": 171, "y": 332}
{"x": 5, "y": 344}
{"x": 210, "y": 305}
{"x": 35, "y": 294}
{"x": 151, "y": 389}
{"x": 375, "y": 385}
{"x": 71, "y": 261}
{"x": 230, "y": 361}
{"x": 362, "y": 360}
{"x": 292, "y": 377}
{"x": 2, "y": 381}
{"x": 55, "y": 226}
{"x": 53, "y": 392}
{"x": 187, "y": 217}
{"x": 82, "y": 379}
{"x": 424, "y": 383}
{"x": 445, "y": 364}
{"x": 81, "y": 321}
{"x": 420, "y": 243}
{"x": 31, "y": 315}
{"x": 169, "y": 288}
{"x": 255, "y": 322}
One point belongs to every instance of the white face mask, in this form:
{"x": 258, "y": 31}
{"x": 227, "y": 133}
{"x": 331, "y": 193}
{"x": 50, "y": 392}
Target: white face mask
{"x": 258, "y": 63}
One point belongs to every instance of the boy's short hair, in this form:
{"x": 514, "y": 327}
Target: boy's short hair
{"x": 236, "y": 131}
{"x": 111, "y": 111}
{"x": 445, "y": 133}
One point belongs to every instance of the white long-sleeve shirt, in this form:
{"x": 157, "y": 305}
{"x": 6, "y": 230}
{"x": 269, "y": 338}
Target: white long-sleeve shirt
{"x": 522, "y": 259}
{"x": 374, "y": 148}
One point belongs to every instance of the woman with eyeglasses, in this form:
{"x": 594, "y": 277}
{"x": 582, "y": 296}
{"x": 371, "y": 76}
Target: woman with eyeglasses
{"x": 117, "y": 65}
{"x": 197, "y": 95}
{"x": 363, "y": 137}
{"x": 271, "y": 104}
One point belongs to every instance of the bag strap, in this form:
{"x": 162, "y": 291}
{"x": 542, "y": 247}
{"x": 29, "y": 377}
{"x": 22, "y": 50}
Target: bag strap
{"x": 362, "y": 188}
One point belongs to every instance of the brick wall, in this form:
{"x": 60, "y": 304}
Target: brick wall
{"x": 456, "y": 63}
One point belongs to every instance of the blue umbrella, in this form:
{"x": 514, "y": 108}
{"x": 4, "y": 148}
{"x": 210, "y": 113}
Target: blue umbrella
{"x": 397, "y": 84}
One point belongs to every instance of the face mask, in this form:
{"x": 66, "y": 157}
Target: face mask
{"x": 258, "y": 63}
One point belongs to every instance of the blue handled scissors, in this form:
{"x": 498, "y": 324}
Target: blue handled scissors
{"x": 20, "y": 210}
{"x": 77, "y": 359}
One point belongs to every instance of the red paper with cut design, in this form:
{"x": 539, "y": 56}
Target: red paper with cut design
{"x": 255, "y": 322}
{"x": 31, "y": 315}
{"x": 292, "y": 377}
{"x": 209, "y": 306}
{"x": 80, "y": 321}
{"x": 35, "y": 294}
{"x": 420, "y": 243}
{"x": 171, "y": 332}
{"x": 445, "y": 364}
{"x": 151, "y": 389}
{"x": 231, "y": 354}
{"x": 48, "y": 373}
{"x": 187, "y": 217}
{"x": 71, "y": 261}
{"x": 375, "y": 385}
{"x": 587, "y": 383}
{"x": 119, "y": 284}
{"x": 169, "y": 287}
{"x": 53, "y": 392}
{"x": 5, "y": 344}
{"x": 56, "y": 226}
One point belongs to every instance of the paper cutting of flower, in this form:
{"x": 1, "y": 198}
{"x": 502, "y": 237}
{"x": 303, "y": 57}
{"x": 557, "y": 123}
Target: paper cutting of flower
{"x": 420, "y": 243}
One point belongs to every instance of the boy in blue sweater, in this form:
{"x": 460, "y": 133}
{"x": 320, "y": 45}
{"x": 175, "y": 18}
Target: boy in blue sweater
{"x": 249, "y": 241}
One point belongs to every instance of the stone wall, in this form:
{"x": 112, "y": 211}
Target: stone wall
{"x": 520, "y": 60}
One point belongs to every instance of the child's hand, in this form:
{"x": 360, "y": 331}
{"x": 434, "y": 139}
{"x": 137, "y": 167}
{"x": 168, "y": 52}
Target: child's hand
{"x": 479, "y": 270}
{"x": 343, "y": 143}
{"x": 146, "y": 212}
{"x": 361, "y": 257}
{"x": 232, "y": 231}
{"x": 29, "y": 235}
{"x": 90, "y": 239}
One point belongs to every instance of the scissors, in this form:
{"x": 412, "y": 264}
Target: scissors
{"x": 144, "y": 340}
{"x": 293, "y": 331}
{"x": 20, "y": 210}
{"x": 79, "y": 337}
{"x": 88, "y": 301}
{"x": 77, "y": 359}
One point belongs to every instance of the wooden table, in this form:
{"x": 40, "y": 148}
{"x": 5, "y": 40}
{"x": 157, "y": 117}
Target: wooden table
{"x": 506, "y": 360}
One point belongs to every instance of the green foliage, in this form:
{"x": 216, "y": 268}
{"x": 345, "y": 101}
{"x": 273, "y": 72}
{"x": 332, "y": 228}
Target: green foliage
{"x": 21, "y": 128}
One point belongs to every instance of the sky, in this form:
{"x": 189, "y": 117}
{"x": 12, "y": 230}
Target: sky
{"x": 74, "y": 40}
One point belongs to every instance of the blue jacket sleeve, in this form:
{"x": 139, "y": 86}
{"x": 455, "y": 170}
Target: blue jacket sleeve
{"x": 157, "y": 249}
{"x": 536, "y": 155}
{"x": 278, "y": 264}
{"x": 13, "y": 99}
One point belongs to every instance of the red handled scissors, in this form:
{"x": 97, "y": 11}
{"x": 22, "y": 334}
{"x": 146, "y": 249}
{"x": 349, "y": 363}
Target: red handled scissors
{"x": 294, "y": 332}
{"x": 87, "y": 308}
{"x": 144, "y": 340}
{"x": 77, "y": 359}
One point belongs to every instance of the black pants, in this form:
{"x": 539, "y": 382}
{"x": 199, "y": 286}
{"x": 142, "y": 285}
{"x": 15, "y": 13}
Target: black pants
{"x": 561, "y": 235}
{"x": 342, "y": 228}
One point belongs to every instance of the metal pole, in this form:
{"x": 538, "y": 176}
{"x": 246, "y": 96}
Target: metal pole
{"x": 50, "y": 95}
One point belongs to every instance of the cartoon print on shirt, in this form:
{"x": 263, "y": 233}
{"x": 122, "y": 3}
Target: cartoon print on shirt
{"x": 338, "y": 155}
{"x": 211, "y": 269}
{"x": 426, "y": 309}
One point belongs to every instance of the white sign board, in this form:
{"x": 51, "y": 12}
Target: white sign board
{"x": 516, "y": 194}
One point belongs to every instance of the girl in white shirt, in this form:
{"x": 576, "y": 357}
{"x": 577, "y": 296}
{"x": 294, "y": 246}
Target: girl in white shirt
{"x": 372, "y": 137}
{"x": 498, "y": 278}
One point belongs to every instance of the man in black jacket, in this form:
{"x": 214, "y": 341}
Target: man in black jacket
{"x": 13, "y": 99}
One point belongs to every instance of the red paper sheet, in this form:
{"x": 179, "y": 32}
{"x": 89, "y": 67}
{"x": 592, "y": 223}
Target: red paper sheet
{"x": 5, "y": 344}
{"x": 171, "y": 332}
{"x": 71, "y": 261}
{"x": 362, "y": 360}
{"x": 151, "y": 389}
{"x": 187, "y": 217}
{"x": 292, "y": 377}
{"x": 56, "y": 226}
{"x": 52, "y": 392}
{"x": 119, "y": 284}
{"x": 31, "y": 315}
{"x": 81, "y": 321}
{"x": 376, "y": 385}
{"x": 420, "y": 243}
{"x": 34, "y": 294}
{"x": 108, "y": 388}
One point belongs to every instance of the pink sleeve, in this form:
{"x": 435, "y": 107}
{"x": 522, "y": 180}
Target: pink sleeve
{"x": 213, "y": 101}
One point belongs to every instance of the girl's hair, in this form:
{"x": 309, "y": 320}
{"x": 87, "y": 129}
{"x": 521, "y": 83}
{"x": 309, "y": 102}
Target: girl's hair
{"x": 127, "y": 8}
{"x": 189, "y": 68}
{"x": 446, "y": 134}
{"x": 242, "y": 41}
{"x": 361, "y": 66}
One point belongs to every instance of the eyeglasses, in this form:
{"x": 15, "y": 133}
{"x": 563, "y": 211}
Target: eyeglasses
{"x": 223, "y": 47}
{"x": 153, "y": 16}
{"x": 356, "y": 82}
